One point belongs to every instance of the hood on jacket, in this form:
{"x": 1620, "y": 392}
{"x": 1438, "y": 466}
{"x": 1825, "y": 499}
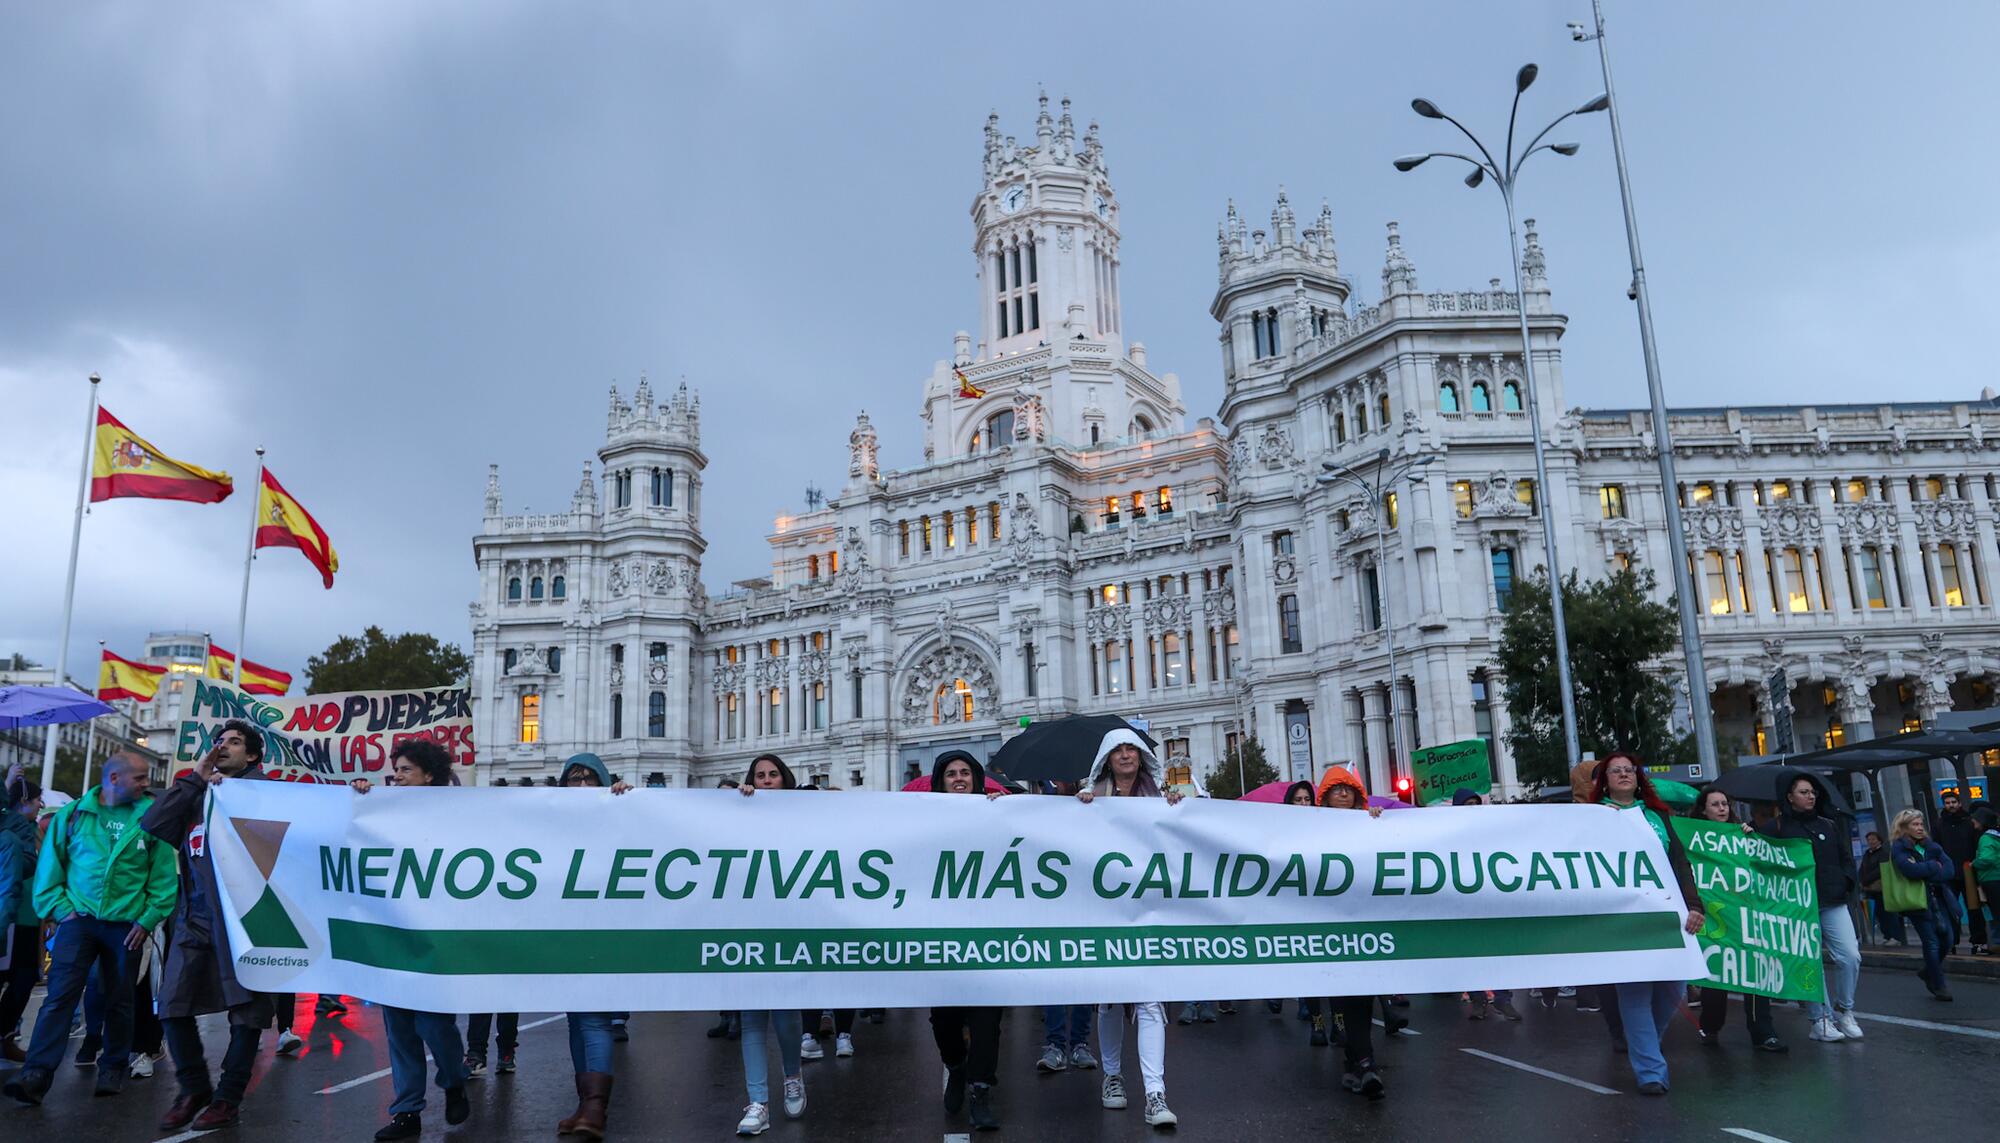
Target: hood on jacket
{"x": 946, "y": 759}
{"x": 1465, "y": 797}
{"x": 1150, "y": 770}
{"x": 1579, "y": 781}
{"x": 590, "y": 762}
{"x": 1825, "y": 807}
{"x": 1342, "y": 776}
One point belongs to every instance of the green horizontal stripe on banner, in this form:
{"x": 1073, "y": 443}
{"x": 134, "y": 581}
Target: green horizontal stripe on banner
{"x": 478, "y": 952}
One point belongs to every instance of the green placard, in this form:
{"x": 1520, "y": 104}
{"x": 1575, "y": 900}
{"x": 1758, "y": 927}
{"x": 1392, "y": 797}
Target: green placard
{"x": 1762, "y": 933}
{"x": 1441, "y": 771}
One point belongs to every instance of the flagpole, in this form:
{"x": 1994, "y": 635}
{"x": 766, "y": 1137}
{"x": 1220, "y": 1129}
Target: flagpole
{"x": 249, "y": 556}
{"x": 69, "y": 587}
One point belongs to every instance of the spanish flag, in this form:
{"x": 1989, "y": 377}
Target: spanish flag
{"x": 283, "y": 523}
{"x": 126, "y": 464}
{"x": 966, "y": 388}
{"x": 257, "y": 678}
{"x": 119, "y": 678}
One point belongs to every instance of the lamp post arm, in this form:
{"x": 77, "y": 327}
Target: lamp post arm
{"x": 1533, "y": 144}
{"x": 1491, "y": 165}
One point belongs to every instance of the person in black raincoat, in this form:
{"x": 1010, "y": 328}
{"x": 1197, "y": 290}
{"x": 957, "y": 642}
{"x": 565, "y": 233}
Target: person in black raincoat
{"x": 968, "y": 1037}
{"x": 199, "y": 976}
{"x": 1806, "y": 813}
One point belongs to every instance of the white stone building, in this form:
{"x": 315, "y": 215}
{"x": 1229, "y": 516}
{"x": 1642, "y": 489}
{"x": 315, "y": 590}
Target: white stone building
{"x": 1073, "y": 544}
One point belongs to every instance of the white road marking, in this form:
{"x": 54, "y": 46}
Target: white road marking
{"x": 1407, "y": 1030}
{"x": 1932, "y": 1025}
{"x": 1543, "y": 1072}
{"x": 371, "y": 1077}
{"x": 1753, "y": 1136}
{"x": 958, "y": 1137}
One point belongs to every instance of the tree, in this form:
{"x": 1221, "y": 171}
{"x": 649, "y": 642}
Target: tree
{"x": 1617, "y": 635}
{"x": 378, "y": 662}
{"x": 1257, "y": 770}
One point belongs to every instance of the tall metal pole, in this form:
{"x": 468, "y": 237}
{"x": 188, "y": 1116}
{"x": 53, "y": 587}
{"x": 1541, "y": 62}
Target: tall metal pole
{"x": 1546, "y": 505}
{"x": 249, "y": 557}
{"x": 1388, "y": 629}
{"x": 1697, "y": 672}
{"x": 69, "y": 585}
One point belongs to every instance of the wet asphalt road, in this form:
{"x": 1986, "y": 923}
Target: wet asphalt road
{"x": 1247, "y": 1076}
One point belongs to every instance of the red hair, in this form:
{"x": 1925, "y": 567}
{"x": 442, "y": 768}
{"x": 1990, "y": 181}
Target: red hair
{"x": 1647, "y": 796}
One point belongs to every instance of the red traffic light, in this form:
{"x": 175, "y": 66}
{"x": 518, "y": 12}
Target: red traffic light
{"x": 1403, "y": 789}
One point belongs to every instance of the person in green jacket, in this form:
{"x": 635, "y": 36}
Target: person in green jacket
{"x": 106, "y": 883}
{"x": 20, "y": 928}
{"x": 1986, "y": 860}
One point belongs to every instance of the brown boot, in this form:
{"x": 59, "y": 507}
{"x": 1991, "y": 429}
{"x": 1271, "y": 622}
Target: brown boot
{"x": 568, "y": 1126}
{"x": 596, "y": 1101}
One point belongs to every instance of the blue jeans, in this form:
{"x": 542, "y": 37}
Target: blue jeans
{"x": 590, "y": 1042}
{"x": 756, "y": 1068}
{"x": 409, "y": 1033}
{"x": 1932, "y": 930}
{"x": 81, "y": 944}
{"x": 1647, "y": 1009}
{"x": 1843, "y": 949}
{"x": 1890, "y": 925}
{"x": 1073, "y": 1019}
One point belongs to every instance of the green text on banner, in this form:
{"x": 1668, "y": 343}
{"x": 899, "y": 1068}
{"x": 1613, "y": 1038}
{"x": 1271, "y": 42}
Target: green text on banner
{"x": 458, "y": 900}
{"x": 1762, "y": 934}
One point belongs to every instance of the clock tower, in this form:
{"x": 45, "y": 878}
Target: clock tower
{"x": 1045, "y": 234}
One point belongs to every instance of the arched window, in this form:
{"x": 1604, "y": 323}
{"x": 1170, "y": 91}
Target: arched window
{"x": 514, "y": 590}
{"x": 999, "y": 432}
{"x": 1482, "y": 398}
{"x": 1503, "y": 576}
{"x": 656, "y": 715}
{"x": 1271, "y": 329}
{"x": 1360, "y": 420}
{"x": 535, "y": 588}
{"x": 1339, "y": 428}
{"x": 1510, "y": 396}
{"x": 812, "y": 567}
{"x": 1448, "y": 398}
{"x": 952, "y": 703}
{"x": 617, "y": 716}
{"x": 1382, "y": 411}
{"x": 555, "y": 660}
{"x": 1141, "y": 426}
{"x": 508, "y": 658}
{"x": 557, "y": 589}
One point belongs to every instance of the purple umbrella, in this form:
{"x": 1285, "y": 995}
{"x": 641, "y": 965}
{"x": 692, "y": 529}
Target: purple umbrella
{"x": 1389, "y": 803}
{"x": 44, "y": 706}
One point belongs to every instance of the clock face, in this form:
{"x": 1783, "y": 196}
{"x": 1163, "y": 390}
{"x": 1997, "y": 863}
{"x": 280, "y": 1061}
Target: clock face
{"x": 1013, "y": 199}
{"x": 1103, "y": 207}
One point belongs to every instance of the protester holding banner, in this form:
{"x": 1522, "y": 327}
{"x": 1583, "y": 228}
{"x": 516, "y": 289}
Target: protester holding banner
{"x": 589, "y": 1032}
{"x": 1126, "y": 768}
{"x": 769, "y": 772}
{"x": 200, "y": 973}
{"x": 1835, "y": 879}
{"x": 1620, "y": 781}
{"x": 1713, "y": 805}
{"x": 1913, "y": 884}
{"x": 1341, "y": 790}
{"x": 421, "y": 762}
{"x": 968, "y": 1037}
{"x": 1300, "y": 794}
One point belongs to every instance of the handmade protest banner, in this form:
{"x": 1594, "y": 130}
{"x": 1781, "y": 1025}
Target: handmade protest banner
{"x": 332, "y": 737}
{"x": 464, "y": 900}
{"x": 1442, "y": 771}
{"x": 1762, "y": 932}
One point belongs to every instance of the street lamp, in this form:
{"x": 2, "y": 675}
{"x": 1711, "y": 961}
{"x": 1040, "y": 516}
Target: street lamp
{"x": 1385, "y": 479}
{"x": 1503, "y": 176}
{"x": 1697, "y": 673}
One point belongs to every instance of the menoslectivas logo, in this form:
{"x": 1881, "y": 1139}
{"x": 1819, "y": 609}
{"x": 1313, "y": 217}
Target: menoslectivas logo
{"x": 267, "y": 924}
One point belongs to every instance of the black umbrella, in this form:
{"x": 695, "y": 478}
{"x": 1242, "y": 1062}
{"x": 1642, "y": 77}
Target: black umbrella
{"x": 1771, "y": 781}
{"x": 1060, "y": 749}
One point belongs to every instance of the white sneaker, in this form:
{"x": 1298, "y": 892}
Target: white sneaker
{"x": 1825, "y": 1031}
{"x": 1566, "y": 992}
{"x": 1113, "y": 1094}
{"x": 1848, "y": 1027}
{"x": 142, "y": 1066}
{"x": 756, "y": 1120}
{"x": 795, "y": 1097}
{"x": 1157, "y": 1112}
{"x": 843, "y": 1045}
{"x": 289, "y": 1042}
{"x": 809, "y": 1048}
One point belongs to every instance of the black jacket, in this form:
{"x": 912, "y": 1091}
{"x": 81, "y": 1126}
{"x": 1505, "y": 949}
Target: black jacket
{"x": 1833, "y": 860}
{"x": 1871, "y": 871}
{"x": 1959, "y": 837}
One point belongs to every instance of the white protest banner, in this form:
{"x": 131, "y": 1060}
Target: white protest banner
{"x": 469, "y": 900}
{"x": 330, "y": 737}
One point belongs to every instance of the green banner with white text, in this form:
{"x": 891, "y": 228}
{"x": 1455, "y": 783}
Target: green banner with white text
{"x": 1762, "y": 933}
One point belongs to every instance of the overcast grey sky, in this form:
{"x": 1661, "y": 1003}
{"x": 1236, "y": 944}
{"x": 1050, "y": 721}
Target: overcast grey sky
{"x": 392, "y": 242}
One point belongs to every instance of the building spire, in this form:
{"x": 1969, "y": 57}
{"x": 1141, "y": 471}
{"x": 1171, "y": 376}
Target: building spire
{"x": 1399, "y": 276}
{"x": 1534, "y": 264}
{"x": 492, "y": 490}
{"x": 1045, "y": 130}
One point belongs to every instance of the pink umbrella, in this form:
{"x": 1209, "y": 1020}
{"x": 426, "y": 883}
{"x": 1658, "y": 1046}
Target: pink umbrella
{"x": 922, "y": 785}
{"x": 1268, "y": 792}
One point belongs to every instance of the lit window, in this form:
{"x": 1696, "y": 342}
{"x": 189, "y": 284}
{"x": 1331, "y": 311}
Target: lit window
{"x": 1448, "y": 398}
{"x": 1703, "y": 493}
{"x": 950, "y": 529}
{"x": 1524, "y": 491}
{"x": 1857, "y": 490}
{"x": 812, "y": 567}
{"x": 832, "y": 563}
{"x": 924, "y": 525}
{"x": 1611, "y": 501}
{"x": 1114, "y": 668}
{"x": 531, "y": 718}
{"x": 1933, "y": 488}
{"x": 1954, "y": 587}
{"x": 971, "y": 527}
{"x": 1165, "y": 498}
{"x": 1781, "y": 490}
{"x": 1797, "y": 598}
{"x": 1111, "y": 511}
{"x": 1715, "y": 583}
{"x": 1173, "y": 659}
{"x": 1110, "y": 594}
{"x": 1461, "y": 498}
{"x": 1382, "y": 410}
{"x": 1138, "y": 506}
{"x": 1389, "y": 508}
{"x": 993, "y": 519}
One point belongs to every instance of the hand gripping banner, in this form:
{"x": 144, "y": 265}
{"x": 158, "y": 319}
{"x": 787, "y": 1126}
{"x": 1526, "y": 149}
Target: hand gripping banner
{"x": 467, "y": 900}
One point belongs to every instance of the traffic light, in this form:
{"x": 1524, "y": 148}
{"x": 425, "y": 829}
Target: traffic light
{"x": 1403, "y": 790}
